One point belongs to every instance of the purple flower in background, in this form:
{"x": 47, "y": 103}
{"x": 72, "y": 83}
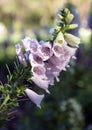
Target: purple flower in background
{"x": 87, "y": 62}
{"x": 34, "y": 97}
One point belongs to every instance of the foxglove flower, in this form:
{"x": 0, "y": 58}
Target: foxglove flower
{"x": 42, "y": 83}
{"x": 60, "y": 38}
{"x": 35, "y": 59}
{"x": 39, "y": 71}
{"x": 58, "y": 48}
{"x": 30, "y": 44}
{"x": 45, "y": 50}
{"x": 72, "y": 40}
{"x": 53, "y": 71}
{"x": 58, "y": 62}
{"x": 20, "y": 55}
{"x": 51, "y": 79}
{"x": 68, "y": 51}
{"x": 48, "y": 59}
{"x": 34, "y": 97}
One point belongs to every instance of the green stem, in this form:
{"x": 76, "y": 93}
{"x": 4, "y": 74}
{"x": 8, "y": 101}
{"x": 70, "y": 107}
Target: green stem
{"x": 5, "y": 101}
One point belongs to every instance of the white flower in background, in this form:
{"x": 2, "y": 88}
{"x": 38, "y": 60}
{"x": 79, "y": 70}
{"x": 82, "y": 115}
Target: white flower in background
{"x": 45, "y": 50}
{"x": 34, "y": 97}
{"x": 30, "y": 44}
{"x": 42, "y": 83}
{"x": 20, "y": 55}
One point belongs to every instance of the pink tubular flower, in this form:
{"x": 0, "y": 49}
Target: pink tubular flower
{"x": 53, "y": 71}
{"x": 42, "y": 83}
{"x": 30, "y": 44}
{"x": 50, "y": 79}
{"x": 45, "y": 50}
{"x": 35, "y": 59}
{"x": 39, "y": 71}
{"x": 20, "y": 55}
{"x": 34, "y": 97}
{"x": 58, "y": 49}
{"x": 59, "y": 62}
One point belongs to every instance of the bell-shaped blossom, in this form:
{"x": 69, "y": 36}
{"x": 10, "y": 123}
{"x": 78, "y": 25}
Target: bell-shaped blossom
{"x": 39, "y": 71}
{"x": 20, "y": 55}
{"x": 34, "y": 97}
{"x": 59, "y": 62}
{"x": 30, "y": 44}
{"x": 51, "y": 69}
{"x": 60, "y": 38}
{"x": 42, "y": 83}
{"x": 58, "y": 48}
{"x": 45, "y": 50}
{"x": 51, "y": 79}
{"x": 35, "y": 59}
{"x": 63, "y": 50}
{"x": 72, "y": 40}
{"x": 68, "y": 51}
{"x": 52, "y": 72}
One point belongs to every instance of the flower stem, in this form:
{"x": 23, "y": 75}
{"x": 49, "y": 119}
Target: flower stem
{"x": 4, "y": 102}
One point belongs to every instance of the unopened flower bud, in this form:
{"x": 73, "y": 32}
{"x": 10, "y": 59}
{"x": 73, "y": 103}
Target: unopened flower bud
{"x": 71, "y": 39}
{"x": 60, "y": 38}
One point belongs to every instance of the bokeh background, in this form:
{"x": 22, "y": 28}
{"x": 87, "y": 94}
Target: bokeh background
{"x": 69, "y": 106}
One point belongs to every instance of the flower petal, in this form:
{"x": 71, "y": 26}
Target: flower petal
{"x": 44, "y": 84}
{"x": 30, "y": 44}
{"x": 20, "y": 55}
{"x": 45, "y": 50}
{"x": 38, "y": 70}
{"x": 34, "y": 97}
{"x": 35, "y": 59}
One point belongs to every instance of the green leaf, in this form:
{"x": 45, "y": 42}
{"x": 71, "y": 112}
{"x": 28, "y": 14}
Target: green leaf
{"x": 5, "y": 101}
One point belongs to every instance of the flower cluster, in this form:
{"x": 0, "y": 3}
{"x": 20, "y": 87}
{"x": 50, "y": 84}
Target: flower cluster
{"x": 40, "y": 64}
{"x": 47, "y": 60}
